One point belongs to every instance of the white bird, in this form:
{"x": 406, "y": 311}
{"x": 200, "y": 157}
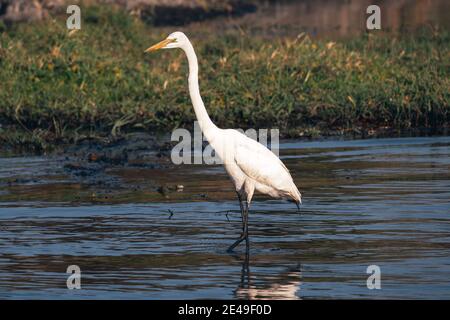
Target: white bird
{"x": 249, "y": 164}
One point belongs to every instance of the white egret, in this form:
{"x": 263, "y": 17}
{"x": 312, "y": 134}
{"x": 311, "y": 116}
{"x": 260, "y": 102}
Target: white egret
{"x": 249, "y": 164}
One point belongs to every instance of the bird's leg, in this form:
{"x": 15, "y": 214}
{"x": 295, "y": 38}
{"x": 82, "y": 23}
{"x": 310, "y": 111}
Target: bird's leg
{"x": 247, "y": 242}
{"x": 242, "y": 237}
{"x": 242, "y": 210}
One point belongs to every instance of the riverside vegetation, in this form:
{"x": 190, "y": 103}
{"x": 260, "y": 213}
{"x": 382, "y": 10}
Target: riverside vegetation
{"x": 57, "y": 87}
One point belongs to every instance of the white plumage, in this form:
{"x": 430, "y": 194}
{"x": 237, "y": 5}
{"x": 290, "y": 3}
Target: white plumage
{"x": 250, "y": 165}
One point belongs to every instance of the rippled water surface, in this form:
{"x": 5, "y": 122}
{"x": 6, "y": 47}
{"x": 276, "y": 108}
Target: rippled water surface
{"x": 378, "y": 202}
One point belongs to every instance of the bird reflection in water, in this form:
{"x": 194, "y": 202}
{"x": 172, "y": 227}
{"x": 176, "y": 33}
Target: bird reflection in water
{"x": 285, "y": 286}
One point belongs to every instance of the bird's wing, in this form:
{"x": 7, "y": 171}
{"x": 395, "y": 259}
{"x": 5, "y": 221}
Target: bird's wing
{"x": 261, "y": 164}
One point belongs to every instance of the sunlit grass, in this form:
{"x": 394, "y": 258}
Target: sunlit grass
{"x": 60, "y": 86}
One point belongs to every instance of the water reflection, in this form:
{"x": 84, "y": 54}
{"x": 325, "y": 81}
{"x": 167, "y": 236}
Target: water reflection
{"x": 283, "y": 286}
{"x": 336, "y": 19}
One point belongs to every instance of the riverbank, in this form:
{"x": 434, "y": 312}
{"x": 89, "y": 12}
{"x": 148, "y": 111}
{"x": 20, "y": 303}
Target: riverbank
{"x": 58, "y": 88}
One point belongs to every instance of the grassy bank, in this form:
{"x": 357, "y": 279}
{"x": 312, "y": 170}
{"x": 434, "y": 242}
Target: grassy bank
{"x": 57, "y": 86}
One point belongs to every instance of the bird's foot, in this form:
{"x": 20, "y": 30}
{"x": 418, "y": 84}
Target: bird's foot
{"x": 238, "y": 241}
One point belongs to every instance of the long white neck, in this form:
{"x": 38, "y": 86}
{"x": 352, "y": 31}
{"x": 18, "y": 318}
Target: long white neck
{"x": 206, "y": 125}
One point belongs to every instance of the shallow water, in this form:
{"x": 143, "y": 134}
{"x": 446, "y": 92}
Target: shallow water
{"x": 378, "y": 202}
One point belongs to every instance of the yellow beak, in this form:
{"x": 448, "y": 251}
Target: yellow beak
{"x": 160, "y": 45}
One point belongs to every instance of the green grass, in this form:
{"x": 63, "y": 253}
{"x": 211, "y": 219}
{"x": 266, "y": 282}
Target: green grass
{"x": 57, "y": 87}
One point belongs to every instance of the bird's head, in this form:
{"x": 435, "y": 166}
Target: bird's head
{"x": 174, "y": 40}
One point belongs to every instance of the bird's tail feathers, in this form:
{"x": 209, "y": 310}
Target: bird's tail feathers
{"x": 295, "y": 196}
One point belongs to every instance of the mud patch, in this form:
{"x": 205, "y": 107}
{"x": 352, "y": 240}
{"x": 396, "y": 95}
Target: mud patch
{"x": 92, "y": 170}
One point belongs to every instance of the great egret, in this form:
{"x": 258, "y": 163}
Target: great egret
{"x": 249, "y": 164}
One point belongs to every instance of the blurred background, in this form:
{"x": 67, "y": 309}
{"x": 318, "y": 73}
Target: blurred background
{"x": 323, "y": 18}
